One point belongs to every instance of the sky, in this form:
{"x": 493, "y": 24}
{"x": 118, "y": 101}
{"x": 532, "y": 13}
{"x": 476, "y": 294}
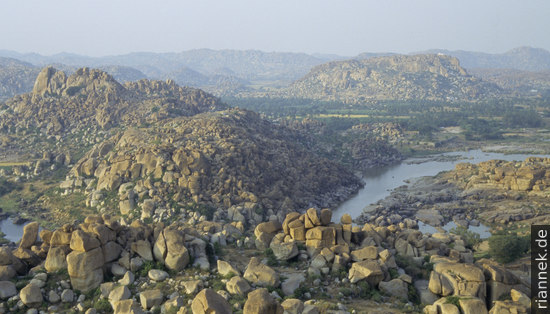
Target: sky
{"x": 343, "y": 27}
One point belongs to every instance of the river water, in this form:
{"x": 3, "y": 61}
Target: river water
{"x": 12, "y": 231}
{"x": 380, "y": 181}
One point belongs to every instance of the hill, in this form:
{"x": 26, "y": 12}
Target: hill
{"x": 521, "y": 58}
{"x": 518, "y": 81}
{"x": 430, "y": 77}
{"x": 222, "y": 159}
{"x": 93, "y": 98}
{"x": 16, "y": 77}
{"x": 181, "y": 138}
{"x": 245, "y": 64}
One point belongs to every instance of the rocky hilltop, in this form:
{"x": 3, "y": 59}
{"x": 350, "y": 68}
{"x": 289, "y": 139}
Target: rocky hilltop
{"x": 432, "y": 77}
{"x": 93, "y": 98}
{"x": 227, "y": 159}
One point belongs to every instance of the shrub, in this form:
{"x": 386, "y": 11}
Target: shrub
{"x": 471, "y": 239}
{"x": 453, "y": 299}
{"x": 506, "y": 248}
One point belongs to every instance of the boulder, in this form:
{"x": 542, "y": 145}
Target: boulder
{"x": 143, "y": 249}
{"x": 192, "y": 286}
{"x": 466, "y": 279}
{"x": 326, "y": 216}
{"x": 6, "y": 256}
{"x": 30, "y": 234}
{"x": 297, "y": 230}
{"x": 85, "y": 269}
{"x": 346, "y": 219}
{"x": 127, "y": 306}
{"x": 395, "y": 287}
{"x": 208, "y": 301}
{"x": 508, "y": 307}
{"x": 111, "y": 251}
{"x": 56, "y": 259}
{"x": 520, "y": 297}
{"x": 119, "y": 293}
{"x": 150, "y": 298}
{"x": 7, "y": 289}
{"x": 290, "y": 217}
{"x": 293, "y": 306}
{"x": 472, "y": 306}
{"x": 261, "y": 302}
{"x": 368, "y": 252}
{"x": 7, "y": 272}
{"x": 83, "y": 242}
{"x": 260, "y": 274}
{"x": 31, "y": 296}
{"x": 237, "y": 285}
{"x": 157, "y": 275}
{"x": 170, "y": 249}
{"x": 291, "y": 283}
{"x": 60, "y": 237}
{"x": 426, "y": 296}
{"x": 313, "y": 216}
{"x": 369, "y": 270}
{"x": 283, "y": 250}
{"x": 265, "y": 232}
{"x": 225, "y": 269}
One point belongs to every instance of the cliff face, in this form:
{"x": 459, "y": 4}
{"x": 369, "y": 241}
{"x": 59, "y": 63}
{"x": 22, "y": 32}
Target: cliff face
{"x": 433, "y": 77}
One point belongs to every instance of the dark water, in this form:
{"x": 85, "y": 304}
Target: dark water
{"x": 380, "y": 181}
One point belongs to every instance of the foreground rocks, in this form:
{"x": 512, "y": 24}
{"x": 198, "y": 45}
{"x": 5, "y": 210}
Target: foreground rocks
{"x": 151, "y": 269}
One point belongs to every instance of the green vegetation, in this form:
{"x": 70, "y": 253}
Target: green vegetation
{"x": 506, "y": 248}
{"x": 471, "y": 239}
{"x": 455, "y": 300}
{"x": 147, "y": 266}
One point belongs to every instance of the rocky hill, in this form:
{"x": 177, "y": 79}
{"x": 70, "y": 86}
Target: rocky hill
{"x": 16, "y": 77}
{"x": 518, "y": 81}
{"x": 521, "y": 58}
{"x": 93, "y": 98}
{"x": 433, "y": 77}
{"x": 226, "y": 159}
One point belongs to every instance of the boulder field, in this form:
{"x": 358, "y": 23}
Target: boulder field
{"x": 297, "y": 265}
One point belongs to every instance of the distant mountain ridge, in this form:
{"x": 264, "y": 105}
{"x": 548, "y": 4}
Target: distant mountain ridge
{"x": 245, "y": 72}
{"x": 521, "y": 58}
{"x": 246, "y": 64}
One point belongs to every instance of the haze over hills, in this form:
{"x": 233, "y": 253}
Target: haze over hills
{"x": 521, "y": 58}
{"x": 242, "y": 73}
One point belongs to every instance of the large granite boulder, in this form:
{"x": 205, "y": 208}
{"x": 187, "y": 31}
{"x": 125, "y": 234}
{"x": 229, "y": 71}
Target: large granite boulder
{"x": 208, "y": 302}
{"x": 260, "y": 274}
{"x": 261, "y": 302}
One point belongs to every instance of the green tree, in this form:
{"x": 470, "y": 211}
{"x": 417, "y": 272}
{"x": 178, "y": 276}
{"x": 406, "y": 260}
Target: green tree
{"x": 506, "y": 248}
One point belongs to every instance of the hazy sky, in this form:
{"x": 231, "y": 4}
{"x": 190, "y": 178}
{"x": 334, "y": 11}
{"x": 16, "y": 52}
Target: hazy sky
{"x": 345, "y": 27}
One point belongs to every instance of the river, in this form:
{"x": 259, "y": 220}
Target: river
{"x": 379, "y": 182}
